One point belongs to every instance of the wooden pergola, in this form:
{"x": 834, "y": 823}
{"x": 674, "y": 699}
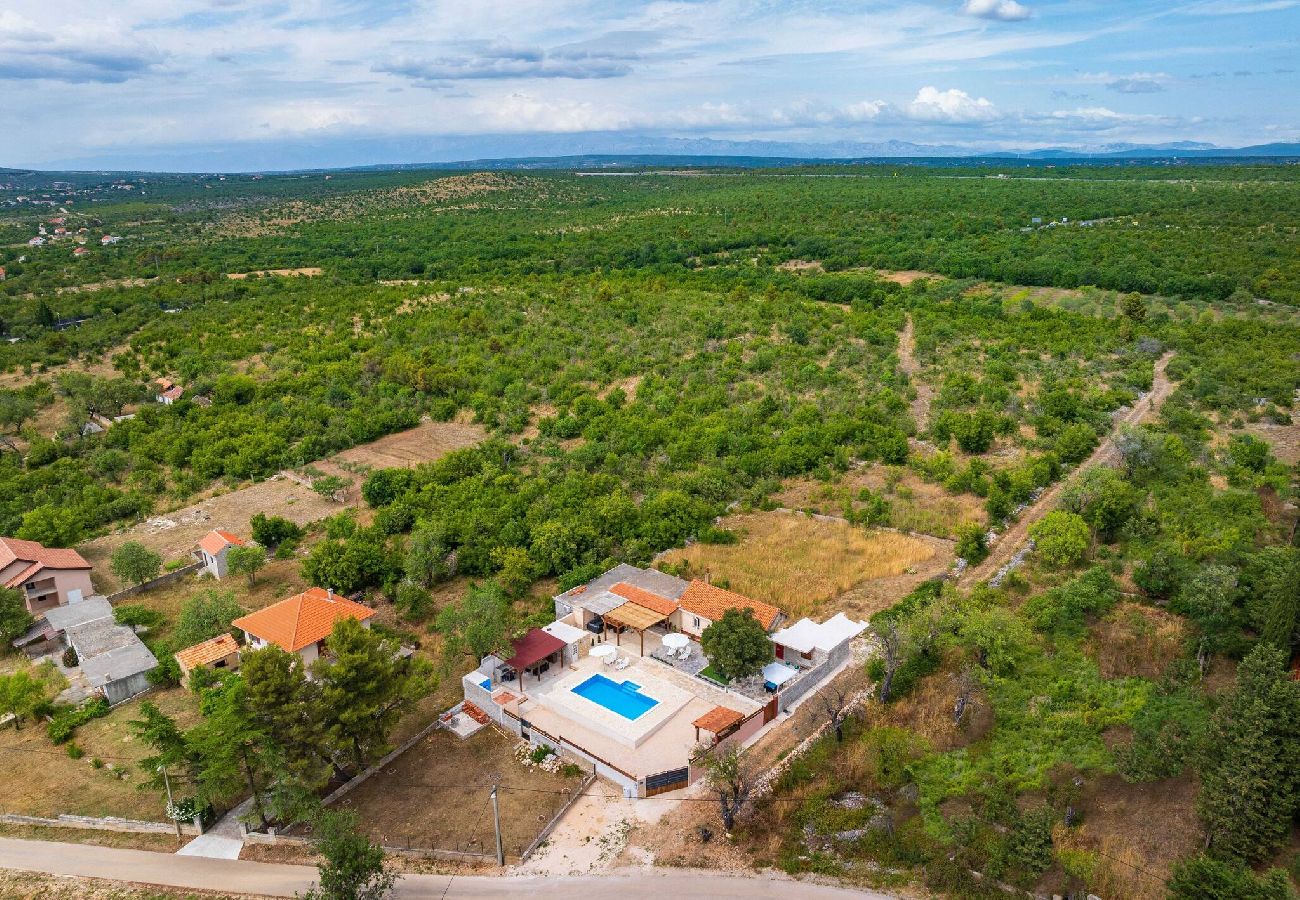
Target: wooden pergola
{"x": 634, "y": 616}
{"x": 719, "y": 722}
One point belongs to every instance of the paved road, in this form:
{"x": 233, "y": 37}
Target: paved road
{"x": 275, "y": 880}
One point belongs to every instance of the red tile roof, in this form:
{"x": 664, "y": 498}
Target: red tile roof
{"x": 216, "y": 541}
{"x": 709, "y": 601}
{"x": 301, "y": 620}
{"x": 39, "y": 557}
{"x": 642, "y": 597}
{"x": 210, "y": 651}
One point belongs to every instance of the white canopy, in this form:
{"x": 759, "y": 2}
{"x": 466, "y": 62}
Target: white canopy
{"x": 565, "y": 632}
{"x": 675, "y": 641}
{"x": 807, "y": 635}
{"x": 778, "y": 673}
{"x": 603, "y": 650}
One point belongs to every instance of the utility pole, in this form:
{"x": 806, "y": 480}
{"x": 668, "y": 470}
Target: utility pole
{"x": 168, "y": 783}
{"x": 496, "y": 823}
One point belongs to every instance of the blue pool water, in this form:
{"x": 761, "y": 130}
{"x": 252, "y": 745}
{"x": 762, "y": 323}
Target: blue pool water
{"x": 625, "y": 699}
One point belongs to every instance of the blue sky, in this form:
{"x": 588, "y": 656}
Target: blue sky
{"x": 236, "y": 84}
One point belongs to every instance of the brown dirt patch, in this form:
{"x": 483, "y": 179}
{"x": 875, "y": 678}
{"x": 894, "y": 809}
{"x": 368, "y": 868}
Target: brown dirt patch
{"x": 1137, "y": 640}
{"x": 927, "y": 711}
{"x": 407, "y": 449}
{"x": 436, "y": 795}
{"x": 161, "y": 843}
{"x": 915, "y": 505}
{"x": 1283, "y": 440}
{"x": 175, "y": 533}
{"x": 308, "y": 271}
{"x": 801, "y": 265}
{"x": 16, "y": 885}
{"x": 1135, "y": 828}
{"x": 42, "y": 780}
{"x": 906, "y": 276}
{"x": 800, "y": 562}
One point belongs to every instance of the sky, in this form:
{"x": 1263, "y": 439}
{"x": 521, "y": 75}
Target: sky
{"x": 235, "y": 85}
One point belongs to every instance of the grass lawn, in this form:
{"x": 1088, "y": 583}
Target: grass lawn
{"x": 42, "y": 780}
{"x": 712, "y": 674}
{"x": 797, "y": 562}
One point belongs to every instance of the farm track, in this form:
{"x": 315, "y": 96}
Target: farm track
{"x": 1106, "y": 454}
{"x": 907, "y": 363}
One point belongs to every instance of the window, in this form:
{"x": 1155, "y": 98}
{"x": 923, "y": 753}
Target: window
{"x": 697, "y": 621}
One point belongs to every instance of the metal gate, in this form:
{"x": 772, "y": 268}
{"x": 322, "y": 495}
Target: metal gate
{"x": 667, "y": 781}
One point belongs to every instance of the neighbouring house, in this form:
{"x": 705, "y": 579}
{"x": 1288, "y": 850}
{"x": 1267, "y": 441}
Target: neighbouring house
{"x": 36, "y": 242}
{"x": 806, "y": 643}
{"x": 301, "y": 623}
{"x": 221, "y": 653}
{"x": 46, "y": 576}
{"x": 3, "y": 274}
{"x": 212, "y": 550}
{"x": 80, "y": 251}
{"x": 109, "y": 239}
{"x": 111, "y": 658}
{"x": 168, "y": 391}
{"x": 702, "y": 604}
{"x": 643, "y": 599}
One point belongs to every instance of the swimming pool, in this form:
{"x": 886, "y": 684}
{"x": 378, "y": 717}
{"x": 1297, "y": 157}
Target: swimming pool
{"x": 624, "y": 698}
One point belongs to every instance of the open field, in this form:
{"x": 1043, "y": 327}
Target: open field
{"x": 406, "y": 449}
{"x": 174, "y": 534}
{"x": 435, "y": 795}
{"x": 914, "y": 505}
{"x": 800, "y": 562}
{"x": 40, "y": 778}
{"x": 309, "y": 271}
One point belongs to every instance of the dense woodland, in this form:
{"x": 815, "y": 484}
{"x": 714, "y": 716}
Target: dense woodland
{"x": 643, "y": 358}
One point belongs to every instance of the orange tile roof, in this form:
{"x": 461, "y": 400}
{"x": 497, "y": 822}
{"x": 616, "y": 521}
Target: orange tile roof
{"x": 301, "y": 620}
{"x": 718, "y": 720}
{"x": 642, "y": 597}
{"x": 38, "y": 556}
{"x": 209, "y": 651}
{"x": 709, "y": 601}
{"x": 216, "y": 541}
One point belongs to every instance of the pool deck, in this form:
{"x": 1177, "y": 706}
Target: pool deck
{"x": 550, "y": 705}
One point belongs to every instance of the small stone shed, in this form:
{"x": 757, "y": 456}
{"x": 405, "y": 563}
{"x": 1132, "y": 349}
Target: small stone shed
{"x": 113, "y": 660}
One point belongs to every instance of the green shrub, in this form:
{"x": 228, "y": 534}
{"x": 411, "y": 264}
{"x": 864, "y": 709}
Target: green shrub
{"x": 74, "y": 750}
{"x": 134, "y": 614}
{"x": 67, "y": 719}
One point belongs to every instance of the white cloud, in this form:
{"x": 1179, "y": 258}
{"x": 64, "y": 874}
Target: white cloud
{"x": 952, "y": 105}
{"x": 1000, "y": 10}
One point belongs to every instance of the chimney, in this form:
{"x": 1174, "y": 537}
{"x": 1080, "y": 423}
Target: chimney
{"x": 329, "y": 594}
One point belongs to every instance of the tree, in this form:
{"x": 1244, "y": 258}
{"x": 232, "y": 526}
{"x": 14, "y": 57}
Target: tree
{"x": 836, "y": 705}
{"x": 1061, "y": 538}
{"x": 736, "y": 645}
{"x": 426, "y": 555}
{"x": 893, "y": 644}
{"x": 1132, "y": 306}
{"x": 273, "y": 531}
{"x": 135, "y": 563}
{"x": 1250, "y": 773}
{"x": 1210, "y": 598}
{"x": 285, "y": 704}
{"x": 332, "y": 487}
{"x": 478, "y": 625}
{"x": 206, "y": 615}
{"x": 972, "y": 545}
{"x": 353, "y": 865}
{"x": 14, "y": 617}
{"x": 348, "y": 566}
{"x": 365, "y": 688}
{"x": 21, "y": 696}
{"x": 52, "y": 525}
{"x": 1103, "y": 499}
{"x": 246, "y": 560}
{"x": 730, "y": 779}
{"x": 517, "y": 570}
{"x": 232, "y": 749}
{"x": 170, "y": 751}
{"x": 1205, "y": 878}
{"x": 1271, "y": 584}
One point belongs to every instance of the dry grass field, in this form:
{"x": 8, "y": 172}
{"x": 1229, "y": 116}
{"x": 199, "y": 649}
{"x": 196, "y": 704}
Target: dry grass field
{"x": 436, "y": 795}
{"x": 800, "y": 562}
{"x": 1137, "y": 640}
{"x": 40, "y": 779}
{"x": 174, "y": 534}
{"x": 915, "y": 505}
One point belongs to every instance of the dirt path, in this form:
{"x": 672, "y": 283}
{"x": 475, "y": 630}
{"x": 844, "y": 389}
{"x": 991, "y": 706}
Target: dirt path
{"x": 907, "y": 363}
{"x": 1106, "y": 454}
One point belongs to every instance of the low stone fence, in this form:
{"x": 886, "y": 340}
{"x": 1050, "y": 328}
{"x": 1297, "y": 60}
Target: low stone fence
{"x": 257, "y": 837}
{"x": 108, "y": 823}
{"x": 168, "y": 578}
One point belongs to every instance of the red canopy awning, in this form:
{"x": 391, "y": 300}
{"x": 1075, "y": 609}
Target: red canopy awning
{"x": 532, "y": 648}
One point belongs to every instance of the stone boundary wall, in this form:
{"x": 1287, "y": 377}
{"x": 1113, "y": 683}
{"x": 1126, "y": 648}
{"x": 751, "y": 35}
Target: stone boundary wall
{"x": 108, "y": 823}
{"x": 161, "y": 580}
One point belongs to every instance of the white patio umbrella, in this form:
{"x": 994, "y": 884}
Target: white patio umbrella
{"x": 600, "y": 651}
{"x": 675, "y": 641}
